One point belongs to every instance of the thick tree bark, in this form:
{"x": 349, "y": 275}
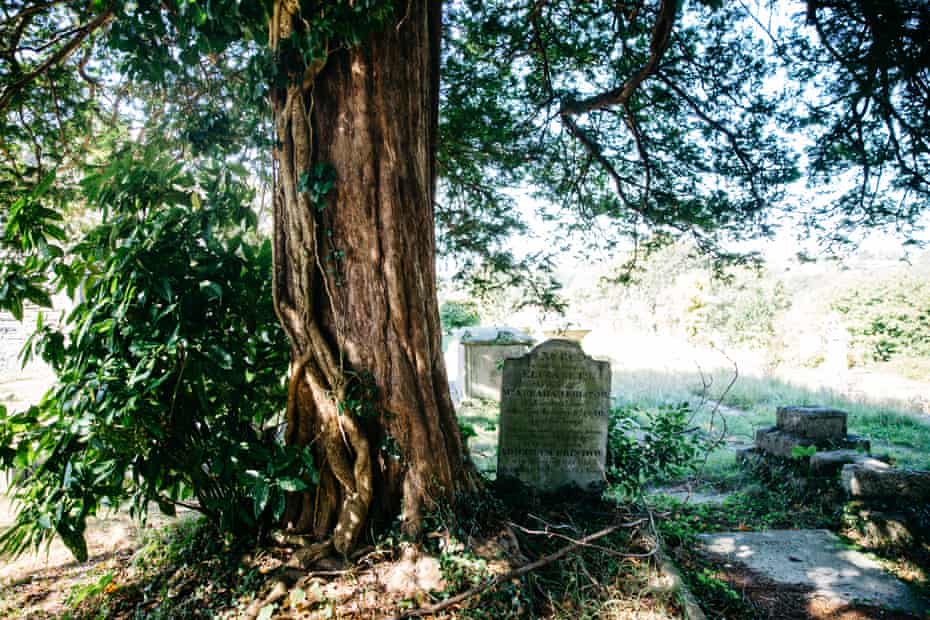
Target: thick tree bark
{"x": 355, "y": 279}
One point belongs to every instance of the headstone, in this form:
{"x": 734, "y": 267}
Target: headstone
{"x": 569, "y": 334}
{"x": 478, "y": 354}
{"x": 555, "y": 408}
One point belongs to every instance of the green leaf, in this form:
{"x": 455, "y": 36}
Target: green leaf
{"x": 803, "y": 452}
{"x": 292, "y": 485}
{"x": 75, "y": 543}
{"x": 213, "y": 290}
{"x": 261, "y": 491}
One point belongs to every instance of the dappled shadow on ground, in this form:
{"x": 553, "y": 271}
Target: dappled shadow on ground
{"x": 778, "y": 601}
{"x": 38, "y": 584}
{"x": 493, "y": 536}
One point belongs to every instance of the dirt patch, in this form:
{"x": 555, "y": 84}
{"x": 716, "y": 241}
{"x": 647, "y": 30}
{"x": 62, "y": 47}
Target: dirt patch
{"x": 39, "y": 584}
{"x": 202, "y": 578}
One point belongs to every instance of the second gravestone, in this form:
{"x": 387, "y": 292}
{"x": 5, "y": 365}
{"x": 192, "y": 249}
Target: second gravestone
{"x": 555, "y": 408}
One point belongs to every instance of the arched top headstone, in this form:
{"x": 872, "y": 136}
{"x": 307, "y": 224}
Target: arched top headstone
{"x": 555, "y": 409}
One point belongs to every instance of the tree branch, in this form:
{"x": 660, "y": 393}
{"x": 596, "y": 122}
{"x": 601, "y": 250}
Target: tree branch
{"x": 741, "y": 154}
{"x": 594, "y": 149}
{"x": 32, "y": 10}
{"x": 519, "y": 572}
{"x": 661, "y": 36}
{"x": 59, "y": 56}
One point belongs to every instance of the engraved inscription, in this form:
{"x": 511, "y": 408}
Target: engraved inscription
{"x": 555, "y": 405}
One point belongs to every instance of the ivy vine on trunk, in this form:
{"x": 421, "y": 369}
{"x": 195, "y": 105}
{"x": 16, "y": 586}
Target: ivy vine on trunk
{"x": 354, "y": 275}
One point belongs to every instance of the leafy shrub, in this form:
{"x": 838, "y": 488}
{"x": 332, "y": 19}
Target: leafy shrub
{"x": 644, "y": 444}
{"x": 889, "y": 317}
{"x": 29, "y": 234}
{"x": 170, "y": 366}
{"x": 745, "y": 310}
{"x": 456, "y": 314}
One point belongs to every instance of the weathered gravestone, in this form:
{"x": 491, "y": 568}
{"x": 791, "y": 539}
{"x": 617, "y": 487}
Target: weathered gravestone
{"x": 555, "y": 406}
{"x": 476, "y": 354}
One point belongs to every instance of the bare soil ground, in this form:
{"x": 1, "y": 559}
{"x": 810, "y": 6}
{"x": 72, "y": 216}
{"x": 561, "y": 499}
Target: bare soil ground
{"x": 43, "y": 585}
{"x": 38, "y": 584}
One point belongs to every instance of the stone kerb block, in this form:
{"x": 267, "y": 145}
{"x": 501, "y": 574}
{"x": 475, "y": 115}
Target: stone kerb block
{"x": 817, "y": 423}
{"x": 555, "y": 409}
{"x": 876, "y": 480}
{"x": 776, "y": 442}
{"x": 830, "y": 462}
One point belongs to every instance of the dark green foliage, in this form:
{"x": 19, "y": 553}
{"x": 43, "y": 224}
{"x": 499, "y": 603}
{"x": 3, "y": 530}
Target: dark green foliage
{"x": 170, "y": 366}
{"x": 456, "y": 314}
{"x": 873, "y": 118}
{"x": 171, "y": 363}
{"x": 183, "y": 571}
{"x": 655, "y": 160}
{"x": 646, "y": 444}
{"x": 703, "y": 144}
{"x": 31, "y": 233}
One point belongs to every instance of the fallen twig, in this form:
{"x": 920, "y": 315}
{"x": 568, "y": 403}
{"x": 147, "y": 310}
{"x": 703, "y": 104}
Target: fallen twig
{"x": 607, "y": 550}
{"x": 518, "y": 572}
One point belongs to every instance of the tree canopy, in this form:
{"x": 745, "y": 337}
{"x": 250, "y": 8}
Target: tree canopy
{"x": 639, "y": 120}
{"x": 643, "y": 117}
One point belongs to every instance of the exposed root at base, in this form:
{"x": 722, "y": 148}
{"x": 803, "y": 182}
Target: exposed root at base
{"x": 304, "y": 557}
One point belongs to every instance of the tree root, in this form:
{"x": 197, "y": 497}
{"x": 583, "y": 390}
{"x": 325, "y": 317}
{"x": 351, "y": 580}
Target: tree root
{"x": 304, "y": 557}
{"x": 278, "y": 592}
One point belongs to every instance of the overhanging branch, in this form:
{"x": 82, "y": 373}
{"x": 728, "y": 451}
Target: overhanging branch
{"x": 661, "y": 37}
{"x": 59, "y": 56}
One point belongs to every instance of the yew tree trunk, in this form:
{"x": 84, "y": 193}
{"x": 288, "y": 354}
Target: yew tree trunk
{"x": 355, "y": 279}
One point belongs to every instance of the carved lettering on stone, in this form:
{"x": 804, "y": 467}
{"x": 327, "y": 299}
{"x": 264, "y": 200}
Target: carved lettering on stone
{"x": 555, "y": 408}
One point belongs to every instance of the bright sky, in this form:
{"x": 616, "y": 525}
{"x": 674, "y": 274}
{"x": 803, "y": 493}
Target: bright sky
{"x": 778, "y": 251}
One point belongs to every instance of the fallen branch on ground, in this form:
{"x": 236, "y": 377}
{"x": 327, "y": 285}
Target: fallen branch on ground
{"x": 519, "y": 572}
{"x": 619, "y": 554}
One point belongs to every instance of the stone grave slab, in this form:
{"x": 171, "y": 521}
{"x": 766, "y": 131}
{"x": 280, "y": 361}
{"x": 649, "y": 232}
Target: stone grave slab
{"x": 819, "y": 560}
{"x": 777, "y": 442}
{"x": 818, "y": 423}
{"x": 831, "y": 462}
{"x": 555, "y": 408}
{"x": 876, "y": 480}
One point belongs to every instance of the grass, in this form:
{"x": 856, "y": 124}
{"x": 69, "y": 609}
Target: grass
{"x": 750, "y": 403}
{"x": 183, "y": 570}
{"x": 478, "y": 418}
